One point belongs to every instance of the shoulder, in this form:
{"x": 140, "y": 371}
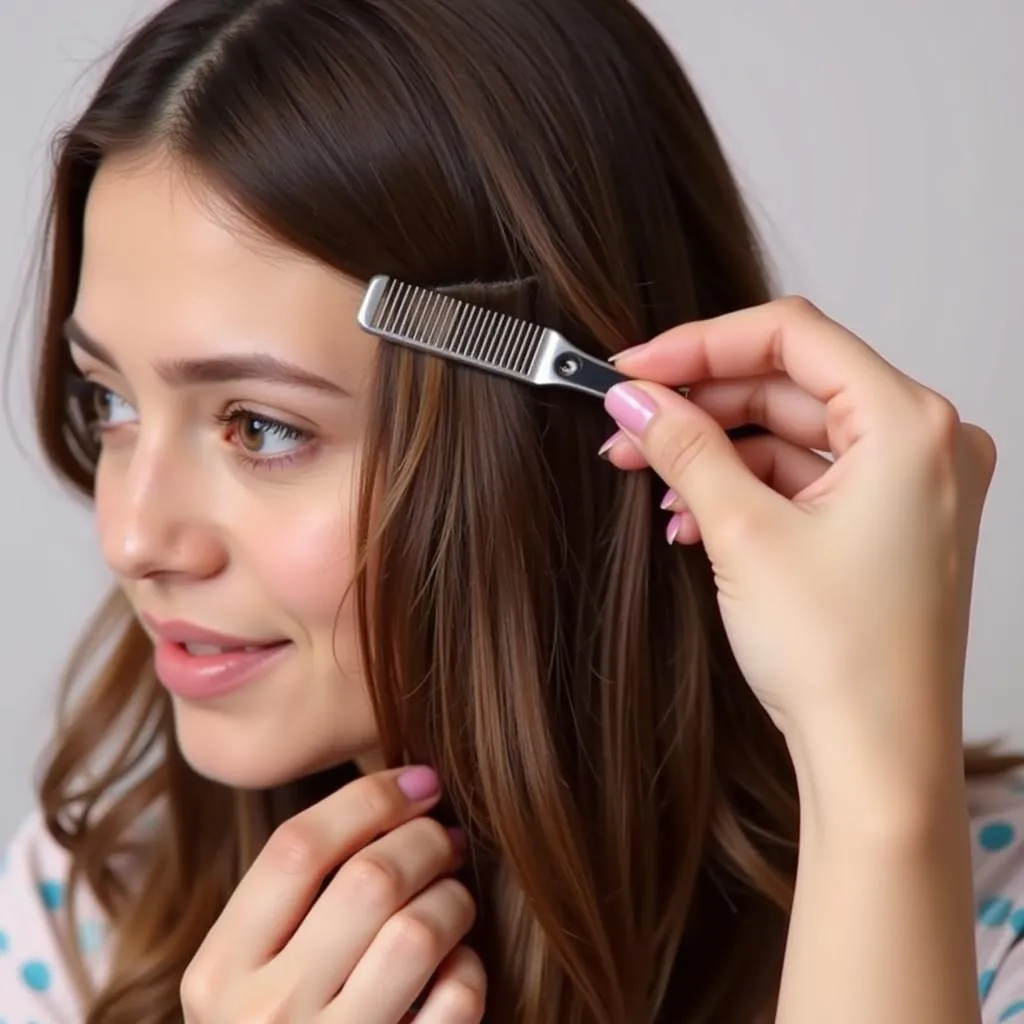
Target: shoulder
{"x": 36, "y": 982}
{"x": 997, "y": 837}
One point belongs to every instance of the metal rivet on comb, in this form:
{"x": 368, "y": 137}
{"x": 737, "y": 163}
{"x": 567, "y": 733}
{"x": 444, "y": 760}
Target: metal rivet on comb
{"x": 566, "y": 366}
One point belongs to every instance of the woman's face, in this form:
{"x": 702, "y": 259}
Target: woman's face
{"x": 232, "y": 384}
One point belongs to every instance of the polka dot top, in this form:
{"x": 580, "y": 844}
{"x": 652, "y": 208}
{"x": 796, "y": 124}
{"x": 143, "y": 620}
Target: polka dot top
{"x": 36, "y": 985}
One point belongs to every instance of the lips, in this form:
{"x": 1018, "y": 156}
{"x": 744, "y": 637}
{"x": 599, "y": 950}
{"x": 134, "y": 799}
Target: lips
{"x": 180, "y": 632}
{"x": 200, "y": 664}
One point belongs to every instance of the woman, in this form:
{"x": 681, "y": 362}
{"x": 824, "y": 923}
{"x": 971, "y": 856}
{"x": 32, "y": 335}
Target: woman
{"x": 403, "y": 705}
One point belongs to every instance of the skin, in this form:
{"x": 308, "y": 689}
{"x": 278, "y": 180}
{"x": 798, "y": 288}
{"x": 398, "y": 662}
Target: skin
{"x": 248, "y": 530}
{"x": 845, "y": 589}
{"x": 243, "y": 531}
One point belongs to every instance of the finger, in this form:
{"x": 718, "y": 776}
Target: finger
{"x": 273, "y": 897}
{"x": 623, "y": 454}
{"x": 682, "y": 529}
{"x": 692, "y": 454}
{"x": 786, "y": 468}
{"x": 775, "y": 402}
{"x": 787, "y": 336}
{"x": 459, "y": 992}
{"x": 407, "y": 951}
{"x": 370, "y": 887}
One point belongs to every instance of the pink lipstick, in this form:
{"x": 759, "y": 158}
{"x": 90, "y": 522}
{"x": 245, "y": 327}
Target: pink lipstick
{"x": 199, "y": 664}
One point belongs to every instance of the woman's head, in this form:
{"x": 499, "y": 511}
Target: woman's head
{"x": 451, "y": 573}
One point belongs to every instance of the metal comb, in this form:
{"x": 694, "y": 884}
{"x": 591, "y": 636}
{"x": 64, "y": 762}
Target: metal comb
{"x": 430, "y": 321}
{"x": 467, "y": 333}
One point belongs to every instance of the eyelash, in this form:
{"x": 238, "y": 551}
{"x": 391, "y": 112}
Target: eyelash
{"x": 84, "y": 392}
{"x": 238, "y": 414}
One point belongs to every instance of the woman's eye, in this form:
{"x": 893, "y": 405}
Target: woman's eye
{"x": 260, "y": 435}
{"x": 109, "y": 409}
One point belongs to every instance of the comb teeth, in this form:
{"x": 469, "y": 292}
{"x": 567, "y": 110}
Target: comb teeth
{"x": 440, "y": 323}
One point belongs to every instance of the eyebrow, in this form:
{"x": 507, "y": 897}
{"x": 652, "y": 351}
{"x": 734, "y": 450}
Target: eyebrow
{"x": 212, "y": 370}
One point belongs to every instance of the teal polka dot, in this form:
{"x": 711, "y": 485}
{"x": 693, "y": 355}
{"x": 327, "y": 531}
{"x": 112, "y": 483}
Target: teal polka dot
{"x": 52, "y": 894}
{"x": 997, "y": 835}
{"x": 985, "y": 980}
{"x": 1017, "y": 921}
{"x": 90, "y": 936}
{"x": 1013, "y": 1010}
{"x": 5, "y": 945}
{"x": 36, "y": 975}
{"x": 994, "y": 912}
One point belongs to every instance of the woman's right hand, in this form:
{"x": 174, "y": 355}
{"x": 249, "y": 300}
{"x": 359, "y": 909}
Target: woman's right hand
{"x": 381, "y": 938}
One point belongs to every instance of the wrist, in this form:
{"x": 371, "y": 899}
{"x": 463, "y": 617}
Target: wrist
{"x": 880, "y": 784}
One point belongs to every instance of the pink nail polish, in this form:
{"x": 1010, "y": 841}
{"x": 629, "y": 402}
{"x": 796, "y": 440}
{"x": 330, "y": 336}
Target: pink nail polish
{"x": 670, "y": 499}
{"x": 419, "y": 783}
{"x": 609, "y": 444}
{"x": 627, "y": 351}
{"x": 630, "y": 407}
{"x": 673, "y": 528}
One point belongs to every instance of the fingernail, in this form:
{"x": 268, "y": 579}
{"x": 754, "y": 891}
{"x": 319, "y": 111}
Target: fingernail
{"x": 459, "y": 840}
{"x": 627, "y": 351}
{"x": 670, "y": 499}
{"x": 609, "y": 444}
{"x": 419, "y": 783}
{"x": 673, "y": 528}
{"x": 630, "y": 407}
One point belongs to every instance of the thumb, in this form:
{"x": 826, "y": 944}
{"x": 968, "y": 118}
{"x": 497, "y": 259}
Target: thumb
{"x": 691, "y": 453}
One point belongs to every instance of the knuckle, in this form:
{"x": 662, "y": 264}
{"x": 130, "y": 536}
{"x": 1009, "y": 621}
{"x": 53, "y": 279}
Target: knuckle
{"x": 414, "y": 936}
{"x": 280, "y": 1012}
{"x": 798, "y": 307}
{"x": 937, "y": 435}
{"x": 941, "y": 418}
{"x": 196, "y": 991}
{"x": 378, "y": 797}
{"x": 739, "y": 530}
{"x": 297, "y": 847}
{"x": 462, "y": 898}
{"x": 373, "y": 881}
{"x": 462, "y": 1001}
{"x": 436, "y": 835}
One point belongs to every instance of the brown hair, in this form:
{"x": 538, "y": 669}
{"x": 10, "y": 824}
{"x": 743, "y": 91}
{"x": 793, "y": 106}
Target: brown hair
{"x": 632, "y": 810}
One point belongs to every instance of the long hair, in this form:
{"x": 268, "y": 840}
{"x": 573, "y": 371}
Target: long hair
{"x": 632, "y": 810}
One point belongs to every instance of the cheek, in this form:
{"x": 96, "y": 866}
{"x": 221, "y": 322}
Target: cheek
{"x": 306, "y": 563}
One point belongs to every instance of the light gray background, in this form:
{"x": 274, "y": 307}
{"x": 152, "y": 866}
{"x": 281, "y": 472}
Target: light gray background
{"x": 880, "y": 144}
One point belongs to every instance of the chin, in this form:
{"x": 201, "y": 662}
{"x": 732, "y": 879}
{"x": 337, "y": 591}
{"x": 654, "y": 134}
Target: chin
{"x": 252, "y": 756}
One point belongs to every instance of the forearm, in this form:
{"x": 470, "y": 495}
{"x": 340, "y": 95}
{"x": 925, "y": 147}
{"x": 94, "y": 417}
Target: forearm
{"x": 882, "y": 926}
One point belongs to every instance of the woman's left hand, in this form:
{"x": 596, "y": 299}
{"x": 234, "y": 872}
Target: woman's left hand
{"x": 844, "y": 586}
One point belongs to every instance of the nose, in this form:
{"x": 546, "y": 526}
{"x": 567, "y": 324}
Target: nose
{"x": 152, "y": 511}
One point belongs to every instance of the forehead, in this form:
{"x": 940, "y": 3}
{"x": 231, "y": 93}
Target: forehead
{"x": 164, "y": 250}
